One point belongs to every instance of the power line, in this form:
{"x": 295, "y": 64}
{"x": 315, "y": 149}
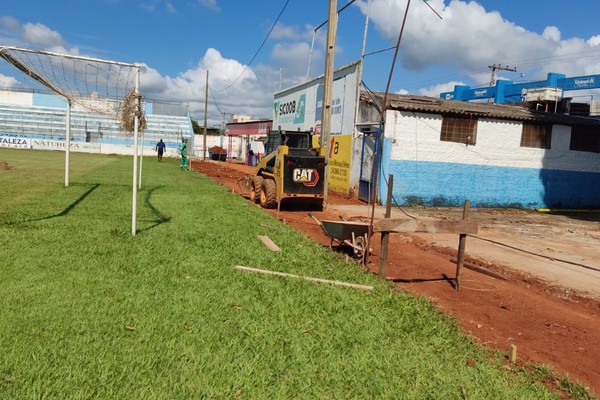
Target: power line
{"x": 257, "y": 51}
{"x": 215, "y": 101}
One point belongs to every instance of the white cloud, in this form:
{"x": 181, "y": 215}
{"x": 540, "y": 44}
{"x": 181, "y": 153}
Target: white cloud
{"x": 8, "y": 82}
{"x": 434, "y": 91}
{"x": 10, "y": 25}
{"x": 210, "y": 4}
{"x": 471, "y": 38}
{"x": 170, "y": 8}
{"x": 594, "y": 41}
{"x": 293, "y": 57}
{"x": 150, "y": 6}
{"x": 40, "y": 35}
{"x": 294, "y": 33}
{"x": 234, "y": 88}
{"x": 282, "y": 31}
{"x": 551, "y": 33}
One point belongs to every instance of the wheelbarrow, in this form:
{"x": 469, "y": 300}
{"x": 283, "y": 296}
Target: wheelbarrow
{"x": 350, "y": 233}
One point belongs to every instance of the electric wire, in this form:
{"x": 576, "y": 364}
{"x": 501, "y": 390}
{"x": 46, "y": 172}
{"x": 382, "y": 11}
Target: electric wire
{"x": 215, "y": 101}
{"x": 257, "y": 51}
{"x": 536, "y": 254}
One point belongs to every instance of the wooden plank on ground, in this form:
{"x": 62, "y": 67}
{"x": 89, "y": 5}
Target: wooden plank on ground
{"x": 269, "y": 243}
{"x": 306, "y": 278}
{"x": 405, "y": 225}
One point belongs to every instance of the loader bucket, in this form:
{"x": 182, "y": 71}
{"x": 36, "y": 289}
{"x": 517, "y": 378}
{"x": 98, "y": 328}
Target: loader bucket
{"x": 245, "y": 184}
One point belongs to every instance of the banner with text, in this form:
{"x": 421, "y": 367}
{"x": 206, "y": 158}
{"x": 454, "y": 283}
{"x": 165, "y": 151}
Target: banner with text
{"x": 80, "y": 147}
{"x": 340, "y": 156}
{"x": 15, "y": 143}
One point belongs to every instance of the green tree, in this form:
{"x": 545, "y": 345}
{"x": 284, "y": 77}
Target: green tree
{"x": 197, "y": 128}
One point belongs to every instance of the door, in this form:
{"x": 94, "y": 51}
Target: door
{"x": 369, "y": 158}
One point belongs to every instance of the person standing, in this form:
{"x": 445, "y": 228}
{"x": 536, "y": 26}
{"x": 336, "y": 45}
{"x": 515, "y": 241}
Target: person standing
{"x": 160, "y": 148}
{"x": 184, "y": 160}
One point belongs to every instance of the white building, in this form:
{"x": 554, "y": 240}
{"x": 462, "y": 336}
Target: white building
{"x": 442, "y": 152}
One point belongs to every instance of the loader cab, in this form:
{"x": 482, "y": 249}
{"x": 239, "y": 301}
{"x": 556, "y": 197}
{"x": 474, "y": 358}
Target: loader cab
{"x": 291, "y": 139}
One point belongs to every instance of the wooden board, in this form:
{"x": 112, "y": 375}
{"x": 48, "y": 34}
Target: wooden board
{"x": 306, "y": 278}
{"x": 405, "y": 225}
{"x": 269, "y": 243}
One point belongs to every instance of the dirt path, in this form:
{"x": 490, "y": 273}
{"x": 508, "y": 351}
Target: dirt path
{"x": 549, "y": 324}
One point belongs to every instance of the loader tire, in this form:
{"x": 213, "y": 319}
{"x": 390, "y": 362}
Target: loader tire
{"x": 255, "y": 188}
{"x": 268, "y": 194}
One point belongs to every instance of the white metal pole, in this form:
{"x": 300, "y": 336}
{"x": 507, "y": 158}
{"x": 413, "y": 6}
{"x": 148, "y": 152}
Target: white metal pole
{"x": 361, "y": 66}
{"x": 141, "y": 156}
{"x": 205, "y": 118}
{"x": 68, "y": 143}
{"x": 312, "y": 46}
{"x": 364, "y": 44}
{"x": 136, "y": 124}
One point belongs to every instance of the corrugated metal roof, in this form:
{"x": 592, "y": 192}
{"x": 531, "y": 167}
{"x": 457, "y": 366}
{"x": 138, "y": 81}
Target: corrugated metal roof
{"x": 474, "y": 110}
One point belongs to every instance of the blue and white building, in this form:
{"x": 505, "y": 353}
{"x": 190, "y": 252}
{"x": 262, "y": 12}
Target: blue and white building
{"x": 442, "y": 152}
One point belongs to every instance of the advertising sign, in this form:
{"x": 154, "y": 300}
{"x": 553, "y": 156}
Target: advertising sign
{"x": 15, "y": 143}
{"x": 340, "y": 156}
{"x": 301, "y": 107}
{"x": 81, "y": 147}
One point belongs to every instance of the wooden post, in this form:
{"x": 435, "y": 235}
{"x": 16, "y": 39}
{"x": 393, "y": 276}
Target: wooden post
{"x": 385, "y": 236}
{"x": 332, "y": 21}
{"x": 513, "y": 354}
{"x": 462, "y": 241}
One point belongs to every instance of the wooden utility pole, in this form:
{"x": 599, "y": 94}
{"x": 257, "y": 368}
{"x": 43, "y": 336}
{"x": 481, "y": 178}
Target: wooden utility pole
{"x": 205, "y": 117}
{"x": 328, "y": 89}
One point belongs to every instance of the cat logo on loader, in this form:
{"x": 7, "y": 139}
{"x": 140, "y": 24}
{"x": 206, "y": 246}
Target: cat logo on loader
{"x": 306, "y": 176}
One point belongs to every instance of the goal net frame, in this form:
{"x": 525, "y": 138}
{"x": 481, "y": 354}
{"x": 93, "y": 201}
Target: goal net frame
{"x": 49, "y": 79}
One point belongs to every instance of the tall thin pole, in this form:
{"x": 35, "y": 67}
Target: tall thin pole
{"x": 328, "y": 88}
{"x": 361, "y": 65}
{"x": 387, "y": 87}
{"x": 136, "y": 124}
{"x": 312, "y": 46}
{"x": 381, "y": 133}
{"x": 141, "y": 154}
{"x": 364, "y": 43}
{"x": 68, "y": 143}
{"x": 205, "y": 117}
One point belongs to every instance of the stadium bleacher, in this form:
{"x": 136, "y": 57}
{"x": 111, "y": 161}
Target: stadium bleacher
{"x": 40, "y": 116}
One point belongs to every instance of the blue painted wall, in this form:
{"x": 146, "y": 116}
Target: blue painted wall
{"x": 439, "y": 184}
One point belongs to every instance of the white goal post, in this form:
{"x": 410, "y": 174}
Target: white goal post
{"x": 102, "y": 86}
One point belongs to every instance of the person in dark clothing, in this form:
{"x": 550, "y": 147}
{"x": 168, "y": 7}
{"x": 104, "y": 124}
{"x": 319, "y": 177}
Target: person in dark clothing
{"x": 160, "y": 148}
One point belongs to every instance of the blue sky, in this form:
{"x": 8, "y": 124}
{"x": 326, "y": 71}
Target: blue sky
{"x": 178, "y": 40}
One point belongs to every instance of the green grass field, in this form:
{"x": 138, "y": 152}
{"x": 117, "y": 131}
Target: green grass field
{"x": 88, "y": 311}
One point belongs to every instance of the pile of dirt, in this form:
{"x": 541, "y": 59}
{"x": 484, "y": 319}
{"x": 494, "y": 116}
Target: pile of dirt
{"x": 6, "y": 166}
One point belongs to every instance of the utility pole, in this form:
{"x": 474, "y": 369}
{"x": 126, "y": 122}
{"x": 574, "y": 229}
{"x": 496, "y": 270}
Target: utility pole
{"x": 495, "y": 68}
{"x": 328, "y": 89}
{"x": 205, "y": 118}
{"x": 499, "y": 67}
